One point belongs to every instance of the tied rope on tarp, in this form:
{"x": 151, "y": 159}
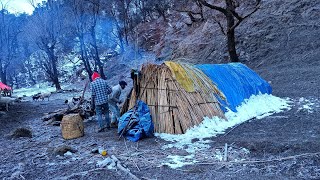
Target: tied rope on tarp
{"x": 136, "y": 123}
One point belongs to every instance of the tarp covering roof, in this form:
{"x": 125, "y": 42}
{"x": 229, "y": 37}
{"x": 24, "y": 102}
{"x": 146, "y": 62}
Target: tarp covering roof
{"x": 236, "y": 81}
{"x": 3, "y": 86}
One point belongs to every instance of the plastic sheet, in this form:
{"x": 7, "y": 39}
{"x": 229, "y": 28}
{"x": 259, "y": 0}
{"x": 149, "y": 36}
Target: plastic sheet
{"x": 181, "y": 76}
{"x": 236, "y": 81}
{"x": 140, "y": 118}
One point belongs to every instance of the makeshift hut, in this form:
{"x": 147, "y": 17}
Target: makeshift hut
{"x": 178, "y": 95}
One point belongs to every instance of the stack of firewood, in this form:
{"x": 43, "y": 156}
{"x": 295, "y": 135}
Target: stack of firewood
{"x": 81, "y": 107}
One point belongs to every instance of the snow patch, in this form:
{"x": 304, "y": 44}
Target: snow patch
{"x": 257, "y": 106}
{"x": 39, "y": 88}
{"x": 308, "y": 104}
{"x": 30, "y": 91}
{"x": 180, "y": 161}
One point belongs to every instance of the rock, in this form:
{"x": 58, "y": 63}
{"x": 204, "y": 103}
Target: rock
{"x": 16, "y": 175}
{"x": 104, "y": 162}
{"x": 59, "y": 157}
{"x": 95, "y": 150}
{"x": 255, "y": 170}
{"x": 61, "y": 150}
{"x": 55, "y": 123}
{"x": 22, "y": 132}
{"x": 68, "y": 154}
{"x": 112, "y": 165}
{"x": 195, "y": 140}
{"x": 58, "y": 117}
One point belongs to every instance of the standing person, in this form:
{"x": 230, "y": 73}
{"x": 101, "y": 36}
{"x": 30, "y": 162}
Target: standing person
{"x": 114, "y": 100}
{"x": 100, "y": 91}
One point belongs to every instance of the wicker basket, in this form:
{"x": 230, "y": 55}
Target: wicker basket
{"x": 72, "y": 126}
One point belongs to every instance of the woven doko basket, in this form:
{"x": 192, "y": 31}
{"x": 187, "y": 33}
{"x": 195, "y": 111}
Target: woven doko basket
{"x": 72, "y": 126}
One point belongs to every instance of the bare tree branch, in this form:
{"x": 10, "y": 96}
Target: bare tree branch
{"x": 205, "y": 3}
{"x": 240, "y": 19}
{"x": 220, "y": 25}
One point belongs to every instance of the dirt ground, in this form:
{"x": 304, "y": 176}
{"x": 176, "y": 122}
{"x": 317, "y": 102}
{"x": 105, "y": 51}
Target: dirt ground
{"x": 282, "y": 146}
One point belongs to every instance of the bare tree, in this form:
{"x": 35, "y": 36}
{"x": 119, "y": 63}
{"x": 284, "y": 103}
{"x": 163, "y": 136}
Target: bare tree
{"x": 9, "y": 30}
{"x": 233, "y": 20}
{"x": 47, "y": 27}
{"x": 95, "y": 11}
{"x": 185, "y": 6}
{"x": 79, "y": 10}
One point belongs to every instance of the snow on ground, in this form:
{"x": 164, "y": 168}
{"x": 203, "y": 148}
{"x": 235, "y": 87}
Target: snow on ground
{"x": 30, "y": 91}
{"x": 255, "y": 107}
{"x": 308, "y": 104}
{"x": 41, "y": 88}
{"x": 179, "y": 161}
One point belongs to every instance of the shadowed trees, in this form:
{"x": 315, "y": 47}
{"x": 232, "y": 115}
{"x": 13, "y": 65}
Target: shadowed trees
{"x": 10, "y": 27}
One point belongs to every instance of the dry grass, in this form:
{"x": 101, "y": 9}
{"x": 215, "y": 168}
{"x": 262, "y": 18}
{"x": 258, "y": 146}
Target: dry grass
{"x": 22, "y": 132}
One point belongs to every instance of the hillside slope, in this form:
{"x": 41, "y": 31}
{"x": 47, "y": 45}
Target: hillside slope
{"x": 280, "y": 41}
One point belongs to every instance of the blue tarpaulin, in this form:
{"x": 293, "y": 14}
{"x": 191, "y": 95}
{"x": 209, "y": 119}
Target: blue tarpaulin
{"x": 140, "y": 122}
{"x": 236, "y": 81}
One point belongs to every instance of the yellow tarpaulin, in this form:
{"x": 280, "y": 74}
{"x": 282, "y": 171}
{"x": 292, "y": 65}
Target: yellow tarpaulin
{"x": 181, "y": 76}
{"x": 193, "y": 79}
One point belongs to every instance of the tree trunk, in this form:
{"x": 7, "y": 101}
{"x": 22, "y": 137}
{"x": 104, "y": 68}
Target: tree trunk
{"x": 120, "y": 41}
{"x": 144, "y": 14}
{"x": 96, "y": 54}
{"x": 3, "y": 77}
{"x": 2, "y": 73}
{"x": 16, "y": 79}
{"x": 56, "y": 83}
{"x": 232, "y": 46}
{"x": 54, "y": 73}
{"x": 161, "y": 12}
{"x": 125, "y": 20}
{"x": 230, "y": 32}
{"x": 84, "y": 57}
{"x": 31, "y": 77}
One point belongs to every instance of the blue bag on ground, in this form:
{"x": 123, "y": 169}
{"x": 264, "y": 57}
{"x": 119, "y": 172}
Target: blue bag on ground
{"x": 236, "y": 81}
{"x": 140, "y": 122}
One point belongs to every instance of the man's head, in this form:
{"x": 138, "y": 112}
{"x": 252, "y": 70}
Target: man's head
{"x": 95, "y": 75}
{"x": 122, "y": 84}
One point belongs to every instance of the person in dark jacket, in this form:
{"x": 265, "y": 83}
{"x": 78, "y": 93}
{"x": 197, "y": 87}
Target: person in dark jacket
{"x": 100, "y": 91}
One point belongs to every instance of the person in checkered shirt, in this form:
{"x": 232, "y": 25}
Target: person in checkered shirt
{"x": 100, "y": 91}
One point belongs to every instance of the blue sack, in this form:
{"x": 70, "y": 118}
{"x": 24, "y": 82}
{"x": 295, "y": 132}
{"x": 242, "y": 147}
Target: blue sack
{"x": 141, "y": 124}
